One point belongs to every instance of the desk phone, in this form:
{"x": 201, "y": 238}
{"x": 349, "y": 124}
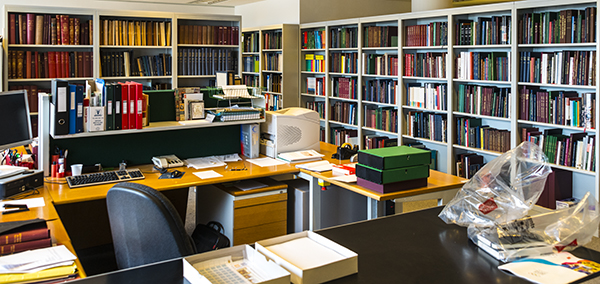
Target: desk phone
{"x": 168, "y": 161}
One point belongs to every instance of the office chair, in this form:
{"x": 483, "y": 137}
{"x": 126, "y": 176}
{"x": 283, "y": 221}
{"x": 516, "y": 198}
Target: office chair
{"x": 145, "y": 226}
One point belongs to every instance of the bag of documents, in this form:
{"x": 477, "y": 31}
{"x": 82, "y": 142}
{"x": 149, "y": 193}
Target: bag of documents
{"x": 210, "y": 237}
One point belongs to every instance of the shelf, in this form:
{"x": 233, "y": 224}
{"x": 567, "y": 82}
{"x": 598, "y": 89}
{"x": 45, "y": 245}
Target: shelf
{"x": 481, "y": 81}
{"x": 312, "y": 50}
{"x": 343, "y": 74}
{"x": 425, "y": 140}
{"x": 272, "y": 50}
{"x": 160, "y": 126}
{"x": 551, "y": 125}
{"x": 425, "y": 109}
{"x": 394, "y": 48}
{"x": 344, "y": 49}
{"x": 251, "y": 73}
{"x": 250, "y": 53}
{"x": 344, "y": 99}
{"x": 558, "y": 86}
{"x": 560, "y": 45}
{"x": 379, "y": 104}
{"x": 487, "y": 152}
{"x": 48, "y": 79}
{"x": 425, "y": 78}
{"x": 380, "y": 131}
{"x": 137, "y": 77}
{"x": 490, "y": 46}
{"x": 445, "y": 47}
{"x": 380, "y": 76}
{"x": 137, "y": 46}
{"x": 195, "y": 76}
{"x": 311, "y": 95}
{"x": 51, "y": 46}
{"x": 314, "y": 73}
{"x": 269, "y": 92}
{"x": 208, "y": 45}
{"x": 342, "y": 123}
{"x": 575, "y": 170}
{"x": 481, "y": 116}
{"x": 272, "y": 71}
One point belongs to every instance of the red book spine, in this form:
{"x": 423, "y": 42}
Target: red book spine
{"x": 36, "y": 234}
{"x": 37, "y": 65}
{"x": 28, "y": 64}
{"x": 87, "y": 64}
{"x": 66, "y": 64}
{"x": 12, "y": 28}
{"x": 139, "y": 107}
{"x": 46, "y": 65}
{"x": 30, "y": 28}
{"x": 51, "y": 64}
{"x": 58, "y": 64}
{"x": 125, "y": 108}
{"x": 64, "y": 29}
{"x": 19, "y": 247}
{"x": 132, "y": 98}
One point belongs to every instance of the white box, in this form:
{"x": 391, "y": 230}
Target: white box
{"x": 95, "y": 119}
{"x": 327, "y": 270}
{"x": 273, "y": 272}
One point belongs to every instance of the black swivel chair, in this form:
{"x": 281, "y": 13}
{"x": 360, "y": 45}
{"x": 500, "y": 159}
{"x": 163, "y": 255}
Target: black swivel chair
{"x": 145, "y": 226}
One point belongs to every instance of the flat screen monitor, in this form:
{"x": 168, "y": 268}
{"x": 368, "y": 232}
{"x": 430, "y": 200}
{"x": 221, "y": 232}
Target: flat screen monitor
{"x": 15, "y": 122}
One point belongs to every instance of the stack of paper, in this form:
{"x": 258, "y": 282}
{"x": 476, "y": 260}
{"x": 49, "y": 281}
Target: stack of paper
{"x": 300, "y": 156}
{"x": 51, "y": 263}
{"x": 320, "y": 166}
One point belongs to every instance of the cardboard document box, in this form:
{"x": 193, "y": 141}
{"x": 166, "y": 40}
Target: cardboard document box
{"x": 394, "y": 157}
{"x": 309, "y": 257}
{"x": 392, "y": 187}
{"x": 256, "y": 266}
{"x": 392, "y": 175}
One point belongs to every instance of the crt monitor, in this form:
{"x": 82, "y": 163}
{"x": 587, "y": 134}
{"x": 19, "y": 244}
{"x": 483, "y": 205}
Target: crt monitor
{"x": 288, "y": 130}
{"x": 15, "y": 123}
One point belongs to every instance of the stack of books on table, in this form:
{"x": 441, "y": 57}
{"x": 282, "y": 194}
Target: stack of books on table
{"x": 392, "y": 169}
{"x": 235, "y": 114}
{"x": 24, "y": 235}
{"x": 508, "y": 249}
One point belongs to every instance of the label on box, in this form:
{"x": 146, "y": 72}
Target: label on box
{"x": 95, "y": 119}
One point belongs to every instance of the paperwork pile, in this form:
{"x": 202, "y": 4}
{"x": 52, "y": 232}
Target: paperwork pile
{"x": 51, "y": 263}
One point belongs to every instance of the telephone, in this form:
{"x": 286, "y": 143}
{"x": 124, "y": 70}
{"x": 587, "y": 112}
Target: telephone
{"x": 167, "y": 161}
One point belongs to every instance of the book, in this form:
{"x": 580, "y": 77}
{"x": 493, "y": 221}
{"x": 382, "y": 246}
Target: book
{"x": 23, "y": 246}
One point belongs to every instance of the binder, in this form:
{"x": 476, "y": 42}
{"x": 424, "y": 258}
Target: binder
{"x": 72, "y": 109}
{"x": 132, "y": 100}
{"x": 139, "y": 106}
{"x": 117, "y": 105}
{"x": 79, "y": 90}
{"x": 124, "y": 106}
{"x": 110, "y": 118}
{"x": 59, "y": 108}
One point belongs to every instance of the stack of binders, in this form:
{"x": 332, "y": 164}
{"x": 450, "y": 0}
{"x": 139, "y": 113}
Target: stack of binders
{"x": 392, "y": 169}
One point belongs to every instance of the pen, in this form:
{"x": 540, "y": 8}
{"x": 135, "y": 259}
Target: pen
{"x": 15, "y": 211}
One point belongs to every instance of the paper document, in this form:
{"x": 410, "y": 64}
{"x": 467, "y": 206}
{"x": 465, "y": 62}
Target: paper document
{"x": 204, "y": 162}
{"x": 225, "y": 271}
{"x": 249, "y": 184}
{"x": 554, "y": 268}
{"x": 305, "y": 253}
{"x": 320, "y": 166}
{"x": 266, "y": 162}
{"x": 36, "y": 260}
{"x": 207, "y": 174}
{"x": 345, "y": 178}
{"x": 30, "y": 202}
{"x": 298, "y": 156}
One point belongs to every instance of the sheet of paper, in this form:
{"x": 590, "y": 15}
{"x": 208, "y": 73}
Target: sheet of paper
{"x": 266, "y": 162}
{"x": 305, "y": 253}
{"x": 345, "y": 178}
{"x": 36, "y": 260}
{"x": 204, "y": 162}
{"x": 554, "y": 268}
{"x": 249, "y": 184}
{"x": 320, "y": 166}
{"x": 30, "y": 202}
{"x": 207, "y": 174}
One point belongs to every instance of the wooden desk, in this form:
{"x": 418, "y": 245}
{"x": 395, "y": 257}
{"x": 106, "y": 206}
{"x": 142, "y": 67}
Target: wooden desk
{"x": 48, "y": 212}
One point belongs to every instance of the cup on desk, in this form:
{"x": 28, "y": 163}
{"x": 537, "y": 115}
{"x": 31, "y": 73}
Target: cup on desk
{"x": 76, "y": 169}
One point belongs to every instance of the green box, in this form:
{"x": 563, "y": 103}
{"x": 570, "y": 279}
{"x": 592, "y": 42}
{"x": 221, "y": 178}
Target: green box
{"x": 394, "y": 157}
{"x": 392, "y": 175}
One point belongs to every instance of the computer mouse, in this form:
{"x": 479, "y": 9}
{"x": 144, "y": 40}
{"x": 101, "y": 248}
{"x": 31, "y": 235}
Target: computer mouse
{"x": 176, "y": 174}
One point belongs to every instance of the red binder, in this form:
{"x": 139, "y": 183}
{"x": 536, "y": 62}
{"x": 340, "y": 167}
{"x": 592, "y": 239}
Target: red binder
{"x": 125, "y": 104}
{"x": 132, "y": 99}
{"x": 139, "y": 106}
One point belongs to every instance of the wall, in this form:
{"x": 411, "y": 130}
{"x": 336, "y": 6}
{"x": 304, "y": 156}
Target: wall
{"x": 326, "y": 10}
{"x": 269, "y": 12}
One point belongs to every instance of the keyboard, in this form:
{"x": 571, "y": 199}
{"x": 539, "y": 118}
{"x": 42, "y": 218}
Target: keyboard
{"x": 104, "y": 177}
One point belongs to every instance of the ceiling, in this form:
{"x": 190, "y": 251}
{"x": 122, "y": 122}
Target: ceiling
{"x": 222, "y": 3}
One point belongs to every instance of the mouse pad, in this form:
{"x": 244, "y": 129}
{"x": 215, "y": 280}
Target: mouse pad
{"x": 168, "y": 176}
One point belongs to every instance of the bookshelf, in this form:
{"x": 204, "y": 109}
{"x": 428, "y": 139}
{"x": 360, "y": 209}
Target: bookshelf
{"x": 488, "y": 82}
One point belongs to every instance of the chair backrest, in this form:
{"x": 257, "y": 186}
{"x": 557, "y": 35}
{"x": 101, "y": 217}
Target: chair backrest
{"x": 145, "y": 226}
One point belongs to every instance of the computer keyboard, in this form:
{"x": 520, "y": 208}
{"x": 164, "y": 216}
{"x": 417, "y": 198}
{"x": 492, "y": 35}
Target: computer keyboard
{"x": 104, "y": 177}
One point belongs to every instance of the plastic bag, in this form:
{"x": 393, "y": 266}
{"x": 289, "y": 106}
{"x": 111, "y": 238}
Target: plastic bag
{"x": 494, "y": 205}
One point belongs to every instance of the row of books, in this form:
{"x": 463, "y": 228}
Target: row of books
{"x": 272, "y": 39}
{"x": 344, "y": 112}
{"x": 205, "y": 61}
{"x": 273, "y": 101}
{"x": 380, "y": 64}
{"x": 313, "y": 39}
{"x": 341, "y": 135}
{"x": 344, "y": 87}
{"x": 119, "y": 64}
{"x": 51, "y": 64}
{"x": 430, "y": 64}
{"x": 315, "y": 86}
{"x": 483, "y": 100}
{"x": 575, "y": 150}
{"x": 250, "y": 80}
{"x": 565, "y": 26}
{"x": 471, "y": 133}
{"x": 382, "y": 118}
{"x": 314, "y": 62}
{"x": 318, "y": 106}
{"x": 484, "y": 31}
{"x": 381, "y": 91}
{"x": 273, "y": 82}
{"x": 32, "y": 95}
{"x": 467, "y": 164}
{"x": 203, "y": 34}
{"x": 561, "y": 67}
{"x": 379, "y": 141}
{"x": 33, "y": 235}
{"x": 182, "y": 102}
{"x": 344, "y": 62}
{"x": 49, "y": 29}
{"x": 251, "y": 63}
{"x": 426, "y": 125}
{"x": 273, "y": 61}
{"x": 380, "y": 36}
{"x": 558, "y": 107}
{"x": 135, "y": 33}
{"x": 427, "y": 95}
{"x": 250, "y": 42}
{"x": 342, "y": 37}
{"x": 431, "y": 34}
{"x": 489, "y": 66}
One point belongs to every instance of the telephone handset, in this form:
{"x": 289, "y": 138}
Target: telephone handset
{"x": 168, "y": 161}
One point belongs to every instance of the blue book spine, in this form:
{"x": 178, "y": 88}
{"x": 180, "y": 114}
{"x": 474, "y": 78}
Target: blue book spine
{"x": 79, "y": 105}
{"x": 72, "y": 109}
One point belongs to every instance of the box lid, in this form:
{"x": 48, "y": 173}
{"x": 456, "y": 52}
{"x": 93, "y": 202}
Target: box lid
{"x": 394, "y": 157}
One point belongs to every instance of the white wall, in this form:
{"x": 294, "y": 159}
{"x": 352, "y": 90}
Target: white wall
{"x": 129, "y": 6}
{"x": 269, "y": 12}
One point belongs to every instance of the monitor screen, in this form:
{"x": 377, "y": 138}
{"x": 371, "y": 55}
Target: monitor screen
{"x": 15, "y": 123}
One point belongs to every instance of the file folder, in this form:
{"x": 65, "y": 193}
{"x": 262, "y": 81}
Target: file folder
{"x": 117, "y": 106}
{"x": 110, "y": 100}
{"x": 59, "y": 108}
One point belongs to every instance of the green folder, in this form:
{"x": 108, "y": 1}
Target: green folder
{"x": 393, "y": 175}
{"x": 394, "y": 157}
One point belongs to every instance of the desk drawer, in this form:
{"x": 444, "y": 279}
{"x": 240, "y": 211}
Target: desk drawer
{"x": 257, "y": 233}
{"x": 251, "y": 216}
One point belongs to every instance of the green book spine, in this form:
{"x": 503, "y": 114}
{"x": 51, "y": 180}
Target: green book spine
{"x": 392, "y": 175}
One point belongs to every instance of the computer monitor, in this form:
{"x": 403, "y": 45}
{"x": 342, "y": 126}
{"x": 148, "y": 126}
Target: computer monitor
{"x": 288, "y": 130}
{"x": 15, "y": 122}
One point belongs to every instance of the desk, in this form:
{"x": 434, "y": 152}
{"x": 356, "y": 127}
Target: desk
{"x": 416, "y": 247}
{"x": 440, "y": 186}
{"x": 48, "y": 212}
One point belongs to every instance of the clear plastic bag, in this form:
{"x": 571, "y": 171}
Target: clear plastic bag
{"x": 495, "y": 202}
